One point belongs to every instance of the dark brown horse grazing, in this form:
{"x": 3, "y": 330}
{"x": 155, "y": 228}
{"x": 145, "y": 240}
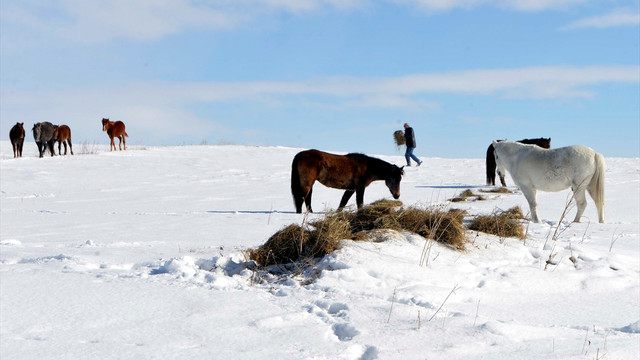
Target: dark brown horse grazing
{"x": 491, "y": 160}
{"x": 62, "y": 134}
{"x": 115, "y": 129}
{"x": 17, "y": 139}
{"x": 353, "y": 172}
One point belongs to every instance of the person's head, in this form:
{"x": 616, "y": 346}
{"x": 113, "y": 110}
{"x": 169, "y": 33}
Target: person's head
{"x": 406, "y": 125}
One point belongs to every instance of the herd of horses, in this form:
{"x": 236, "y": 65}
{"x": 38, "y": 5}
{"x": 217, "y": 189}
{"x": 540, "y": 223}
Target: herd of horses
{"x": 533, "y": 166}
{"x": 46, "y": 135}
{"x": 532, "y": 163}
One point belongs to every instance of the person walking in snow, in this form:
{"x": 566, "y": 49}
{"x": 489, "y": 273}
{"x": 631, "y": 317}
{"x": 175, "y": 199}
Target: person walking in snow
{"x": 410, "y": 142}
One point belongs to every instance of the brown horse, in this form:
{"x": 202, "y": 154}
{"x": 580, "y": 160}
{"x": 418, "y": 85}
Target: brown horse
{"x": 16, "y": 135}
{"x": 62, "y": 134}
{"x": 491, "y": 160}
{"x": 353, "y": 172}
{"x": 115, "y": 129}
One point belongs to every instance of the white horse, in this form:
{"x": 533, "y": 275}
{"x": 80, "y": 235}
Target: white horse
{"x": 533, "y": 168}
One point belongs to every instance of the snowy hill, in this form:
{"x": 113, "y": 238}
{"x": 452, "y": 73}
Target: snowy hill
{"x": 140, "y": 254}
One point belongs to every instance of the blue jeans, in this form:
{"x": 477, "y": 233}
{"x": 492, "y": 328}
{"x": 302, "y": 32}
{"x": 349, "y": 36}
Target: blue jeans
{"x": 409, "y": 155}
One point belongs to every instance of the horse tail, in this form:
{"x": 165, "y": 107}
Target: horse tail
{"x": 596, "y": 186}
{"x": 125, "y": 134}
{"x": 491, "y": 166}
{"x": 296, "y": 189}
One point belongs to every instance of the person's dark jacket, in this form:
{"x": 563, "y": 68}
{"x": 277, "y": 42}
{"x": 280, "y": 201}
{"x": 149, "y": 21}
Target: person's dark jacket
{"x": 409, "y": 137}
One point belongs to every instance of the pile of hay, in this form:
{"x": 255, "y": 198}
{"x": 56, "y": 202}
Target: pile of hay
{"x": 467, "y": 194}
{"x": 398, "y": 136}
{"x": 500, "y": 190}
{"x": 294, "y": 242}
{"x": 500, "y": 223}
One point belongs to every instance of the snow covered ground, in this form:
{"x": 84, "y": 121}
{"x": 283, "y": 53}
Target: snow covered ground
{"x": 139, "y": 254}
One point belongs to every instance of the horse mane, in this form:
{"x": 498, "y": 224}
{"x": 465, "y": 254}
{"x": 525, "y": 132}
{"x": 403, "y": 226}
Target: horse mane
{"x": 371, "y": 161}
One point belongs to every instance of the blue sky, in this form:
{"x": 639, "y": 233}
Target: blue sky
{"x": 327, "y": 74}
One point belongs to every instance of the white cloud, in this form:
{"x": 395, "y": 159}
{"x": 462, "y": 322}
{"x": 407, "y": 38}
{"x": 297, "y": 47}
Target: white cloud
{"x": 144, "y": 20}
{"x": 618, "y": 17}
{"x": 517, "y": 5}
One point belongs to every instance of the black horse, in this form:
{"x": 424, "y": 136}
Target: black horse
{"x": 43, "y": 134}
{"x": 491, "y": 160}
{"x": 352, "y": 172}
{"x": 17, "y": 139}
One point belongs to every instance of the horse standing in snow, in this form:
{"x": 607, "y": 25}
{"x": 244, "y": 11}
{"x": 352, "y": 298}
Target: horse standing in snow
{"x": 16, "y": 135}
{"x": 62, "y": 135}
{"x": 353, "y": 172}
{"x": 115, "y": 129}
{"x": 533, "y": 168}
{"x": 491, "y": 160}
{"x": 43, "y": 135}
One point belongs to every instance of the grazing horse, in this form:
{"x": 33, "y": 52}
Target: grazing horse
{"x": 62, "y": 135}
{"x": 533, "y": 168}
{"x": 115, "y": 129}
{"x": 491, "y": 161}
{"x": 43, "y": 135}
{"x": 17, "y": 139}
{"x": 353, "y": 172}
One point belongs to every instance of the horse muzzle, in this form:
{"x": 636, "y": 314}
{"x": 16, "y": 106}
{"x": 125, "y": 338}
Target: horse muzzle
{"x": 396, "y": 195}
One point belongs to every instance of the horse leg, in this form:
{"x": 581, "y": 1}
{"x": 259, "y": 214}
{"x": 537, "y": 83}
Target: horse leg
{"x": 307, "y": 200}
{"x": 60, "y": 148}
{"x": 359, "y": 198}
{"x": 345, "y": 198}
{"x": 52, "y": 150}
{"x": 70, "y": 147}
{"x": 112, "y": 147}
{"x": 530, "y": 195}
{"x": 504, "y": 184}
{"x": 581, "y": 202}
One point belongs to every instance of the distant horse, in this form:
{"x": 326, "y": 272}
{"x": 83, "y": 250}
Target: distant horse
{"x": 115, "y": 130}
{"x": 17, "y": 139}
{"x": 353, "y": 172}
{"x": 533, "y": 168}
{"x": 62, "y": 135}
{"x": 43, "y": 135}
{"x": 491, "y": 161}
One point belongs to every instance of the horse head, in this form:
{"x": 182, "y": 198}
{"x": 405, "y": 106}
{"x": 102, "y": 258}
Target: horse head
{"x": 37, "y": 130}
{"x": 105, "y": 124}
{"x": 393, "y": 180}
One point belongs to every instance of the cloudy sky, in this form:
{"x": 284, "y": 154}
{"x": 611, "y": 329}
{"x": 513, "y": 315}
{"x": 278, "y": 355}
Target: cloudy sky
{"x": 337, "y": 75}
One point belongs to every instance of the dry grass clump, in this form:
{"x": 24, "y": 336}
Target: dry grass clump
{"x": 442, "y": 226}
{"x": 500, "y": 190}
{"x": 502, "y": 223}
{"x": 398, "y": 136}
{"x": 283, "y": 247}
{"x": 466, "y": 195}
{"x": 295, "y": 242}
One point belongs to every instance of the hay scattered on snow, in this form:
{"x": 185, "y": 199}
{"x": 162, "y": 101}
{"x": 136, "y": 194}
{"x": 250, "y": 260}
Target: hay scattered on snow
{"x": 501, "y": 223}
{"x": 467, "y": 194}
{"x": 500, "y": 190}
{"x": 294, "y": 242}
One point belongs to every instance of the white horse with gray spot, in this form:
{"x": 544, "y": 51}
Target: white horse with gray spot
{"x": 533, "y": 168}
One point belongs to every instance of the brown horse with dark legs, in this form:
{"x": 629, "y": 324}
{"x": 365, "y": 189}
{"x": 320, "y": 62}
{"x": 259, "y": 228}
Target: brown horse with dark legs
{"x": 16, "y": 135}
{"x": 491, "y": 160}
{"x": 115, "y": 130}
{"x": 353, "y": 172}
{"x": 62, "y": 134}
